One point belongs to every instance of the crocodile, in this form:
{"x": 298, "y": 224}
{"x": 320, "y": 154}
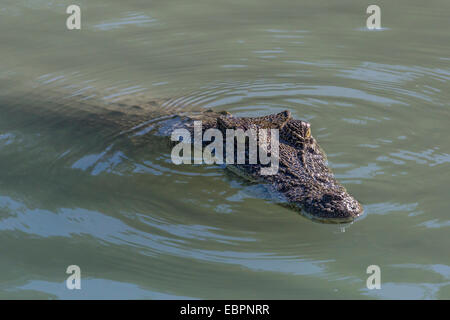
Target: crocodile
{"x": 303, "y": 182}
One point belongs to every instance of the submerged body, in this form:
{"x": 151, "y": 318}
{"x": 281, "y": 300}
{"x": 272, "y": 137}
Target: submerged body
{"x": 302, "y": 182}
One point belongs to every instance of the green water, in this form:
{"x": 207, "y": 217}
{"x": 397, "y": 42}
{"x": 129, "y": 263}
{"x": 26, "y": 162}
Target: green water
{"x": 140, "y": 227}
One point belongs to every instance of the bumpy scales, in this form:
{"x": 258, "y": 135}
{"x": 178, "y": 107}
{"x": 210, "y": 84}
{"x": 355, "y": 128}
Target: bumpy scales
{"x": 303, "y": 180}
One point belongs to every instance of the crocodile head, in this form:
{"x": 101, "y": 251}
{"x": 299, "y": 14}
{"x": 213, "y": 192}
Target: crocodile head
{"x": 304, "y": 179}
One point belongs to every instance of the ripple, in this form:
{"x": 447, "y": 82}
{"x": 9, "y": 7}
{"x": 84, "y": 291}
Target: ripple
{"x": 428, "y": 156}
{"x": 435, "y": 223}
{"x": 131, "y": 19}
{"x": 98, "y": 289}
{"x": 389, "y": 207}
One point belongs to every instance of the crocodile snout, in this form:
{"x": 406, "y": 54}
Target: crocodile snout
{"x": 333, "y": 208}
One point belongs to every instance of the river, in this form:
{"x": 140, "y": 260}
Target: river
{"x": 140, "y": 227}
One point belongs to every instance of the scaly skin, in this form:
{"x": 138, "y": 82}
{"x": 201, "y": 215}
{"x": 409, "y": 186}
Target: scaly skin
{"x": 303, "y": 180}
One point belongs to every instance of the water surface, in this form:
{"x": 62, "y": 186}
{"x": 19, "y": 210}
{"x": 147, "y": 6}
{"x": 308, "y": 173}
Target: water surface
{"x": 140, "y": 227}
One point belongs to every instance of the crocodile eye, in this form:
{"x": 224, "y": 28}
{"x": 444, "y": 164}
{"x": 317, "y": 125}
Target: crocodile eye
{"x": 308, "y": 133}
